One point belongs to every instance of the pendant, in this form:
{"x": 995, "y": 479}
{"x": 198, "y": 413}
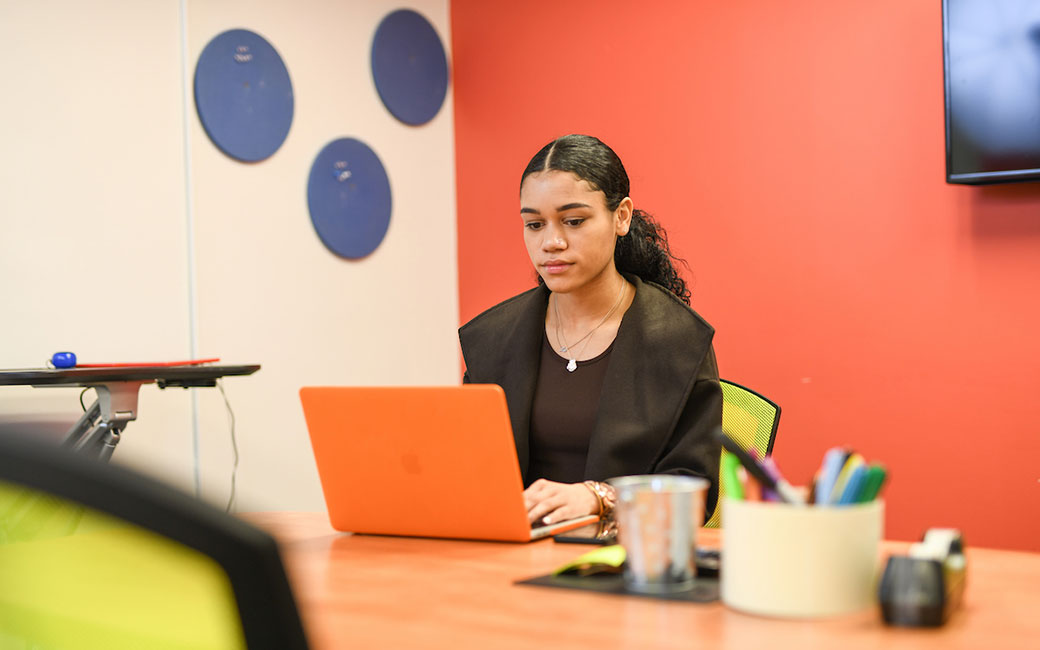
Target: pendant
{"x": 572, "y": 365}
{"x": 563, "y": 349}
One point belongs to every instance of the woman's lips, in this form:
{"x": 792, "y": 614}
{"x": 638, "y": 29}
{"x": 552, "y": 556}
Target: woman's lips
{"x": 555, "y": 266}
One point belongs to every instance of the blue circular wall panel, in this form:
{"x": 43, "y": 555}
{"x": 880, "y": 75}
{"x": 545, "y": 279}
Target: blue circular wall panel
{"x": 244, "y": 95}
{"x": 409, "y": 67}
{"x": 348, "y": 194}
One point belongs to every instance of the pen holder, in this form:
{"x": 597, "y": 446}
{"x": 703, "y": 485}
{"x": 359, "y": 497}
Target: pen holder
{"x": 800, "y": 561}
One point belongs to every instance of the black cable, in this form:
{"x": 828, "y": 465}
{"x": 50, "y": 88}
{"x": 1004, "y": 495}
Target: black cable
{"x": 82, "y": 393}
{"x": 234, "y": 445}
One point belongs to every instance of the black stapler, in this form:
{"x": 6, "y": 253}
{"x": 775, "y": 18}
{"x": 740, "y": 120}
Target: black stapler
{"x": 923, "y": 588}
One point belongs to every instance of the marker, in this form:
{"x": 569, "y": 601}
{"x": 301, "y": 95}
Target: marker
{"x": 854, "y": 461}
{"x": 875, "y": 479}
{"x": 833, "y": 461}
{"x": 769, "y": 465}
{"x": 781, "y": 487}
{"x": 770, "y": 468}
{"x": 752, "y": 489}
{"x": 730, "y": 483}
{"x": 854, "y": 486}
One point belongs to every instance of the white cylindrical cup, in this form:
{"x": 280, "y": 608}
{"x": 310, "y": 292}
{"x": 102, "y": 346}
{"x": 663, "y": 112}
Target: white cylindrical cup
{"x": 658, "y": 516}
{"x": 800, "y": 561}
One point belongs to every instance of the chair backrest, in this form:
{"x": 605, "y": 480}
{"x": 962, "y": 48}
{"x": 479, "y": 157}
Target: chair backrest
{"x": 749, "y": 418}
{"x": 93, "y": 555}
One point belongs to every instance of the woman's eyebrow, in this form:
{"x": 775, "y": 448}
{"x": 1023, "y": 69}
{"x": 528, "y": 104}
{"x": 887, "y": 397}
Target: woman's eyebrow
{"x": 562, "y": 208}
{"x": 571, "y": 206}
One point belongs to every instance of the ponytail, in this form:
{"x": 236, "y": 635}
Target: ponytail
{"x": 644, "y": 252}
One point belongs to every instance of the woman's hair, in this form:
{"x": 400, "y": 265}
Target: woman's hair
{"x": 644, "y": 250}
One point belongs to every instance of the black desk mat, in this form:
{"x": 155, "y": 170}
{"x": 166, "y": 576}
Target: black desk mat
{"x": 705, "y": 590}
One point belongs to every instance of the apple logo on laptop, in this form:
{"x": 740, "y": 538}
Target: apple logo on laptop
{"x": 410, "y": 462}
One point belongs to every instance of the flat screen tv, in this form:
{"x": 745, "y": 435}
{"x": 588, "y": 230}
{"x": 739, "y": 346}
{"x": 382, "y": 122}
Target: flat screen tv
{"x": 991, "y": 54}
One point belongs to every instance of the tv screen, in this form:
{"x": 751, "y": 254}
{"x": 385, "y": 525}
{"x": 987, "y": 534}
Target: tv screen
{"x": 991, "y": 53}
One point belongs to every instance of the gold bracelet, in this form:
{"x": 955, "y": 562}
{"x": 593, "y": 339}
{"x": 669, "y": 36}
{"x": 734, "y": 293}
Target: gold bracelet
{"x": 591, "y": 485}
{"x": 605, "y": 496}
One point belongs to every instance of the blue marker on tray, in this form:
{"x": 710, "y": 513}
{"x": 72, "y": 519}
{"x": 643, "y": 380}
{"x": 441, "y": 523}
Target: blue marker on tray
{"x": 64, "y": 359}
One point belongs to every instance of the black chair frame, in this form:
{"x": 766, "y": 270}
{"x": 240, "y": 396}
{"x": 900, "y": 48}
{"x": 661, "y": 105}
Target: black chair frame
{"x": 248, "y": 555}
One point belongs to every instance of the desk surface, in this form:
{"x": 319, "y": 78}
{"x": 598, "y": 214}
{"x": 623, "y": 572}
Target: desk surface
{"x": 366, "y": 592}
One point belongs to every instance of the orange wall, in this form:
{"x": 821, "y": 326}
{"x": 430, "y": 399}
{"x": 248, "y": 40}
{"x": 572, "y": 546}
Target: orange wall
{"x": 794, "y": 151}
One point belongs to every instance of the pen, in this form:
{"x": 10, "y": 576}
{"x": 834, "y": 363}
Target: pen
{"x": 781, "y": 487}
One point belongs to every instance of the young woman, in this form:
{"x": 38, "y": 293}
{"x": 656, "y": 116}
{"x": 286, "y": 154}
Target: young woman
{"x": 606, "y": 369}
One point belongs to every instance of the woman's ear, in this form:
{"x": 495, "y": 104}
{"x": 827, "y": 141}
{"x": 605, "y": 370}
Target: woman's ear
{"x": 623, "y": 217}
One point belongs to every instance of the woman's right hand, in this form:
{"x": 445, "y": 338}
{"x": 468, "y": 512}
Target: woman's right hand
{"x": 549, "y": 502}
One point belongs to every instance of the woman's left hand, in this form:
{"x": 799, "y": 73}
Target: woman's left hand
{"x": 550, "y": 502}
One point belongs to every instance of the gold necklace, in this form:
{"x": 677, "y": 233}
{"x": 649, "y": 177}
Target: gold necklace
{"x": 572, "y": 361}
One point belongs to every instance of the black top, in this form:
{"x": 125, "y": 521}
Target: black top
{"x": 662, "y": 400}
{"x": 563, "y": 415}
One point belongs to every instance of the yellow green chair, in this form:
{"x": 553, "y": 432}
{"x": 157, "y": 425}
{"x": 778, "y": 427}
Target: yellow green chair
{"x": 749, "y": 418}
{"x": 94, "y": 555}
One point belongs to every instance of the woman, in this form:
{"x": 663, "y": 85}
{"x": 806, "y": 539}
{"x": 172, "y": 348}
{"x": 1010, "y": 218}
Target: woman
{"x": 606, "y": 369}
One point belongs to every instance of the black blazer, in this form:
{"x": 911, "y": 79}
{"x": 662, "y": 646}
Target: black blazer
{"x": 661, "y": 398}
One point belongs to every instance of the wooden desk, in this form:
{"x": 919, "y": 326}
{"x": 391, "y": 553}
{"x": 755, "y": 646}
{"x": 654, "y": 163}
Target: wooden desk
{"x": 385, "y": 592}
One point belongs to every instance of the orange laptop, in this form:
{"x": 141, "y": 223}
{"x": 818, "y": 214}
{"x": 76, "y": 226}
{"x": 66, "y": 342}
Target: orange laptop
{"x": 421, "y": 461}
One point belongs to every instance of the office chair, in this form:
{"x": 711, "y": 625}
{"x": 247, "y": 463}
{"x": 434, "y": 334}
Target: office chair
{"x": 749, "y": 418}
{"x": 96, "y": 556}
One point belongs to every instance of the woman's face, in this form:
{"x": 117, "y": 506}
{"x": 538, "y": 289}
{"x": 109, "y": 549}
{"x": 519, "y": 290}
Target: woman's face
{"x": 568, "y": 230}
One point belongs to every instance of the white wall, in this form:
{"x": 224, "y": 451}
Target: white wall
{"x": 266, "y": 290}
{"x": 92, "y": 230}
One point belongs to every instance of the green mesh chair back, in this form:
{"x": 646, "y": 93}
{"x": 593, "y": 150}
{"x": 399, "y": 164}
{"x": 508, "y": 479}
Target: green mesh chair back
{"x": 750, "y": 419}
{"x": 94, "y": 555}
